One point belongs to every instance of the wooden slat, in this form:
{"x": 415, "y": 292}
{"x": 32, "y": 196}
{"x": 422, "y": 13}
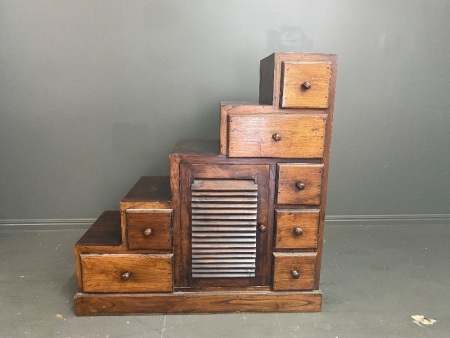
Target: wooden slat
{"x": 233, "y": 205}
{"x": 225, "y": 217}
{"x": 234, "y": 199}
{"x": 223, "y": 234}
{"x": 224, "y": 193}
{"x": 224, "y": 185}
{"x": 238, "y": 231}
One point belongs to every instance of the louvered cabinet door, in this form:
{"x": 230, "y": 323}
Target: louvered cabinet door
{"x": 224, "y": 225}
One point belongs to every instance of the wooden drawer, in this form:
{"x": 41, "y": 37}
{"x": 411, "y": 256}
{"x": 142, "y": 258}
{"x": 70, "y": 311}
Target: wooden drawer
{"x": 296, "y": 228}
{"x": 126, "y": 273}
{"x": 305, "y": 84}
{"x": 149, "y": 229}
{"x": 276, "y": 135}
{"x": 294, "y": 271}
{"x": 299, "y": 184}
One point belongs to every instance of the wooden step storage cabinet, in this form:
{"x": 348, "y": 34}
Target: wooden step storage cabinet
{"x": 237, "y": 226}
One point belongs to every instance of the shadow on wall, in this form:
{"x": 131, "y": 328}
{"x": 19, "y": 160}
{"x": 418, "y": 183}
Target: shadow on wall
{"x": 289, "y": 38}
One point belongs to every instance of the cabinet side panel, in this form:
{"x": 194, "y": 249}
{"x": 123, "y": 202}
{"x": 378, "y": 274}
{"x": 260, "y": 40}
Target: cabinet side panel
{"x": 266, "y": 76}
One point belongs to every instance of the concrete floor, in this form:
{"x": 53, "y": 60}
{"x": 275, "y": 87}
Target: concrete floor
{"x": 374, "y": 278}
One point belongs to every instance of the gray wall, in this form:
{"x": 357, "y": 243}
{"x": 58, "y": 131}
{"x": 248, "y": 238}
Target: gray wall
{"x": 94, "y": 94}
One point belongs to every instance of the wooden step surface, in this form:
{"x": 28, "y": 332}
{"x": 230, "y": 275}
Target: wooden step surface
{"x": 150, "y": 189}
{"x": 104, "y": 232}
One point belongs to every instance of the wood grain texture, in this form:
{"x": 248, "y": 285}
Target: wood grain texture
{"x": 289, "y": 175}
{"x": 211, "y": 176}
{"x": 149, "y": 273}
{"x": 246, "y": 108}
{"x": 197, "y": 302}
{"x": 150, "y": 192}
{"x": 286, "y": 263}
{"x": 271, "y": 69}
{"x": 301, "y": 135}
{"x": 149, "y": 229}
{"x": 288, "y": 220}
{"x": 294, "y": 74}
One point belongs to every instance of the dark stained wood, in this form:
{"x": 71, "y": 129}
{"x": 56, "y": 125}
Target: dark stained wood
{"x": 289, "y": 259}
{"x": 150, "y": 189}
{"x": 104, "y": 232}
{"x": 296, "y": 228}
{"x": 196, "y": 148}
{"x": 298, "y": 136}
{"x": 271, "y": 69}
{"x": 150, "y": 192}
{"x": 205, "y": 177}
{"x": 149, "y": 229}
{"x": 292, "y": 175}
{"x": 197, "y": 302}
{"x": 145, "y": 273}
{"x": 267, "y": 72}
{"x": 294, "y": 271}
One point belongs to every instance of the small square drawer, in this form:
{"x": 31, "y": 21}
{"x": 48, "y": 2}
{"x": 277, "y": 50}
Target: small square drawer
{"x": 149, "y": 229}
{"x": 296, "y": 228}
{"x": 276, "y": 135}
{"x": 294, "y": 271}
{"x": 299, "y": 184}
{"x": 126, "y": 273}
{"x": 305, "y": 84}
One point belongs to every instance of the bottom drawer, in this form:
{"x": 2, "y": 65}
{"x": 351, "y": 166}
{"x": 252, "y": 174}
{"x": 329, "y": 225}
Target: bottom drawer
{"x": 294, "y": 271}
{"x": 126, "y": 273}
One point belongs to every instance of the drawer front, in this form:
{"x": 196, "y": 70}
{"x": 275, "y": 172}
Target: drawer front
{"x": 305, "y": 84}
{"x": 149, "y": 229}
{"x": 276, "y": 135}
{"x": 126, "y": 273}
{"x": 299, "y": 184}
{"x": 296, "y": 228}
{"x": 294, "y": 271}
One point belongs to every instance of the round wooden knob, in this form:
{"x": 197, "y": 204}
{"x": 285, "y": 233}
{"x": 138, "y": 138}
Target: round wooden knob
{"x": 295, "y": 274}
{"x": 300, "y": 185}
{"x": 298, "y": 231}
{"x": 126, "y": 276}
{"x": 276, "y": 136}
{"x": 262, "y": 228}
{"x": 306, "y": 85}
{"x": 148, "y": 232}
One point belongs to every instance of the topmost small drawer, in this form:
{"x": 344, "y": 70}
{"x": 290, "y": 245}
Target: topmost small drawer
{"x": 305, "y": 84}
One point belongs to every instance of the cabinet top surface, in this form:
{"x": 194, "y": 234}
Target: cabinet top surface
{"x": 196, "y": 148}
{"x": 149, "y": 189}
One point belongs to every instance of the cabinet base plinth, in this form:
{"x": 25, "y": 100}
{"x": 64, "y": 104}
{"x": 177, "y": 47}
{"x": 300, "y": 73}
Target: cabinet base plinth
{"x": 91, "y": 304}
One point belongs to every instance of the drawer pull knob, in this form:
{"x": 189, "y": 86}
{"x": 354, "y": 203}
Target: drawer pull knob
{"x": 300, "y": 185}
{"x": 306, "y": 85}
{"x": 298, "y": 232}
{"x": 148, "y": 232}
{"x": 276, "y": 136}
{"x": 262, "y": 228}
{"x": 126, "y": 275}
{"x": 295, "y": 274}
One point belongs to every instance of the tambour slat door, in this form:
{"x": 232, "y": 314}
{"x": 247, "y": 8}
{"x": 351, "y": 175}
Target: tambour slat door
{"x": 224, "y": 226}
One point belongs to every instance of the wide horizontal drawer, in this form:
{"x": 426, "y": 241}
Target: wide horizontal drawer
{"x": 296, "y": 228}
{"x": 299, "y": 184}
{"x": 126, "y": 273}
{"x": 294, "y": 271}
{"x": 149, "y": 229}
{"x": 276, "y": 135}
{"x": 305, "y": 84}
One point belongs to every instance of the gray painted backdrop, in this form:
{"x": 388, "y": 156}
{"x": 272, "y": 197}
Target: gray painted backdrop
{"x": 94, "y": 94}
